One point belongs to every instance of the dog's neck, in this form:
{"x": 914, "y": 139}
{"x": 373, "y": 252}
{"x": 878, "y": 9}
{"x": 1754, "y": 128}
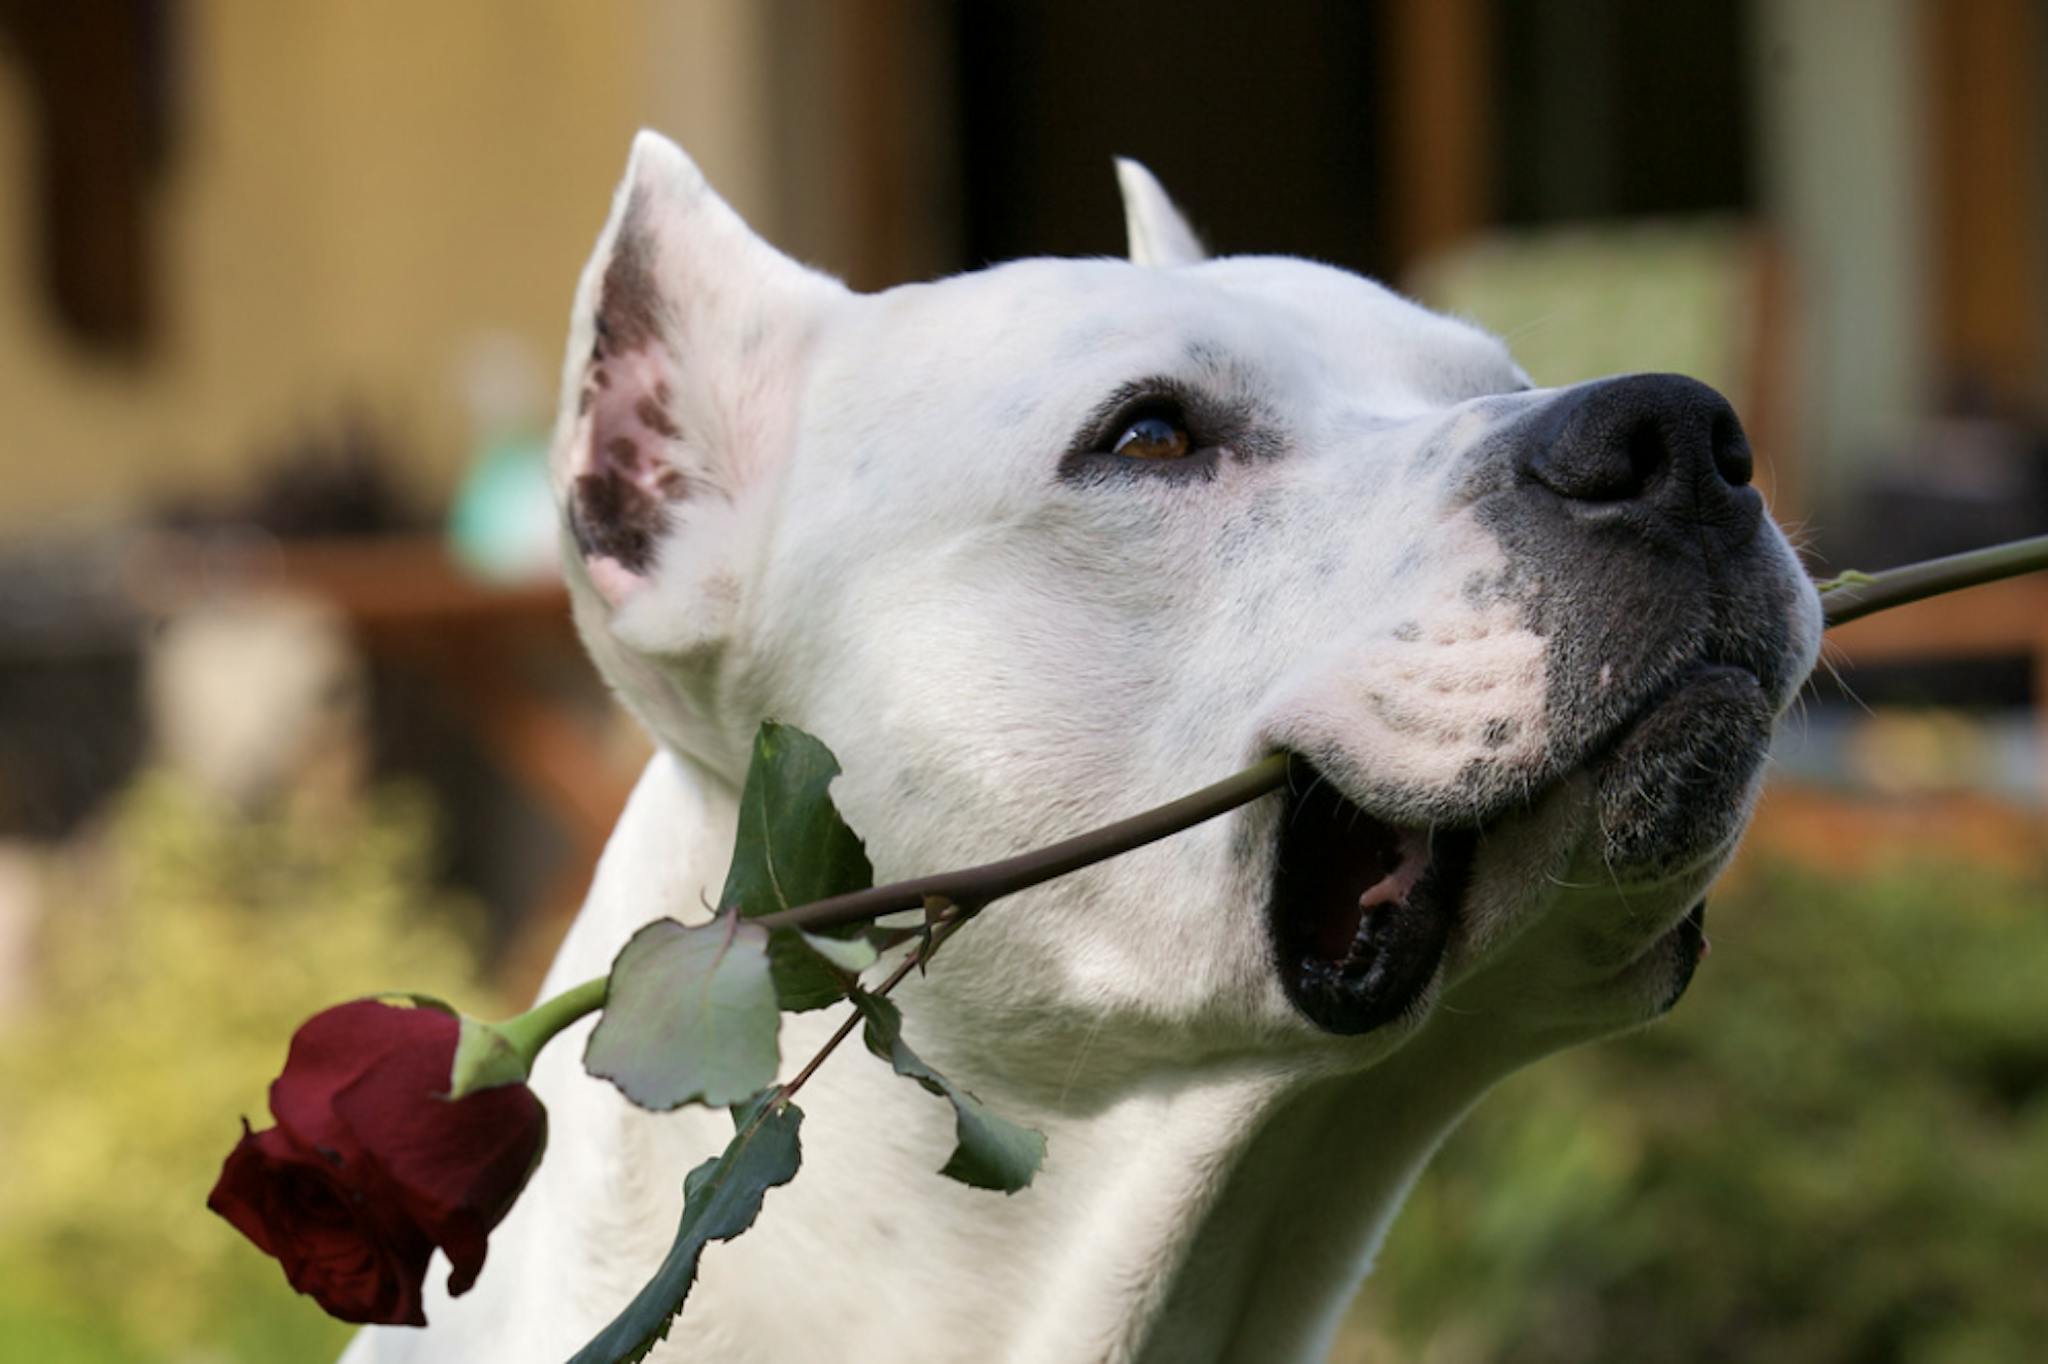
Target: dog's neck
{"x": 1225, "y": 1213}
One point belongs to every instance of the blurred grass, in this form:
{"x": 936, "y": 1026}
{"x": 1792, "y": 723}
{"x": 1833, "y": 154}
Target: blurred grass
{"x": 179, "y": 955}
{"x": 1836, "y": 1150}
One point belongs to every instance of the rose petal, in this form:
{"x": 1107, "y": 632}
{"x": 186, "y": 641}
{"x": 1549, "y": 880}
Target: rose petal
{"x": 355, "y": 1255}
{"x": 456, "y": 1166}
{"x": 369, "y": 1168}
{"x": 242, "y": 1193}
{"x": 336, "y": 1047}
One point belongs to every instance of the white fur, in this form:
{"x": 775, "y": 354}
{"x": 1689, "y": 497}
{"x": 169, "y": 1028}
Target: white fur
{"x": 1000, "y": 658}
{"x": 1159, "y": 234}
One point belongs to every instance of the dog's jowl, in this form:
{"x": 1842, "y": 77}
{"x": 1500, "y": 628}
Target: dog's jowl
{"x": 1036, "y": 547}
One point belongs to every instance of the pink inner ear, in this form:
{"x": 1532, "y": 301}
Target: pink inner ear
{"x": 624, "y": 482}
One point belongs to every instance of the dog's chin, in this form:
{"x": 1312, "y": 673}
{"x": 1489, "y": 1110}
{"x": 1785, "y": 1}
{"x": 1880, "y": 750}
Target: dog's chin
{"x": 1675, "y": 784}
{"x": 1362, "y": 910}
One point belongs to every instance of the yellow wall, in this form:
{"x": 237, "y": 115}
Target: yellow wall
{"x": 355, "y": 191}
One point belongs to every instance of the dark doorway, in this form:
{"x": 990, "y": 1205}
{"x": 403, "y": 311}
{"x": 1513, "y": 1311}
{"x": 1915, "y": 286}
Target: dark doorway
{"x": 1260, "y": 119}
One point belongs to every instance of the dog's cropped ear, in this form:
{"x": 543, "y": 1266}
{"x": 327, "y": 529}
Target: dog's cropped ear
{"x": 1159, "y": 234}
{"x": 685, "y": 349}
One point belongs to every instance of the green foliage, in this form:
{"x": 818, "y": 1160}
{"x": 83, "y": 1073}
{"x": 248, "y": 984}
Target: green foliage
{"x": 721, "y": 1199}
{"x": 690, "y": 1016}
{"x": 811, "y": 971}
{"x": 993, "y": 1152}
{"x": 171, "y": 972}
{"x": 840, "y": 959}
{"x": 1837, "y": 1149}
{"x": 794, "y": 849}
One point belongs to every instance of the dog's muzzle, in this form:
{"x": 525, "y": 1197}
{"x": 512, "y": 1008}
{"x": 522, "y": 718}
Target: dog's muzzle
{"x": 1626, "y": 509}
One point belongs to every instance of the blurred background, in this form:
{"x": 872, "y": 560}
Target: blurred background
{"x": 290, "y": 709}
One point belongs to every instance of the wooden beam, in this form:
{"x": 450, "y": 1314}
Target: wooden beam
{"x": 1984, "y": 77}
{"x": 1437, "y": 74}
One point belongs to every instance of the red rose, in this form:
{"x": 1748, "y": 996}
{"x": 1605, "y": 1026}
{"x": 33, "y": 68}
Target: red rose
{"x": 368, "y": 1169}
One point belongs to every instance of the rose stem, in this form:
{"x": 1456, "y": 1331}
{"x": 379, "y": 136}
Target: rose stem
{"x": 531, "y": 1031}
{"x": 1845, "y": 598}
{"x": 1853, "y": 595}
{"x": 911, "y": 960}
{"x": 973, "y": 887}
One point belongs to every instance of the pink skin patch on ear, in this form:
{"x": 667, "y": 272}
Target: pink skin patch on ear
{"x": 623, "y": 482}
{"x": 612, "y": 579}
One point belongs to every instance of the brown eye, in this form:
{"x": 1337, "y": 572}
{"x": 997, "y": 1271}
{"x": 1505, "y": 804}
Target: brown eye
{"x": 1152, "y": 438}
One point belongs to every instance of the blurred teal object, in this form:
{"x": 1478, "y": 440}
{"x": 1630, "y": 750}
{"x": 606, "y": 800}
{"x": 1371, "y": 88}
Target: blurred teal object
{"x": 502, "y": 525}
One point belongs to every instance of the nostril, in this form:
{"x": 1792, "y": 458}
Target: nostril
{"x": 1732, "y": 458}
{"x": 1647, "y": 455}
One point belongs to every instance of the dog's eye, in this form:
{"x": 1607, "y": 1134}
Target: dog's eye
{"x": 1151, "y": 430}
{"x": 1154, "y": 437}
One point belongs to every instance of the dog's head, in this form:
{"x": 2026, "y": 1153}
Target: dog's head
{"x": 1041, "y": 545}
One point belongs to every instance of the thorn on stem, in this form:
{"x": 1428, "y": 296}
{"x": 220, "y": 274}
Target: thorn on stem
{"x": 938, "y": 912}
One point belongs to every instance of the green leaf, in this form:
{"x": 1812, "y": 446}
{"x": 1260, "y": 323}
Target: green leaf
{"x": 993, "y": 1152}
{"x": 883, "y": 938}
{"x": 721, "y": 1199}
{"x": 811, "y": 971}
{"x": 689, "y": 1016}
{"x": 793, "y": 849}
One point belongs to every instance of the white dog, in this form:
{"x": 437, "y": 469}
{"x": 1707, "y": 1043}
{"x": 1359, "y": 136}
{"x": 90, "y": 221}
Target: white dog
{"x": 1040, "y": 546}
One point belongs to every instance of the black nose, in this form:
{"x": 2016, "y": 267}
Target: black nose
{"x": 1661, "y": 446}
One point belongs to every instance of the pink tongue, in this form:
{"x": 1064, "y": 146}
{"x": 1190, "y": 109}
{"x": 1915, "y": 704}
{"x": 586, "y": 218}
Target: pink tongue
{"x": 1338, "y": 933}
{"x": 1412, "y": 853}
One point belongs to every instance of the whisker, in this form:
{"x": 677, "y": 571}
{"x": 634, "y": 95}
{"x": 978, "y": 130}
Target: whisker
{"x": 1080, "y": 1056}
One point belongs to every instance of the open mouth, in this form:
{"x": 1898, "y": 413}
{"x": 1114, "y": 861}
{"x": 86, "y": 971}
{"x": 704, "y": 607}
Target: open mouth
{"x": 1362, "y": 909}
